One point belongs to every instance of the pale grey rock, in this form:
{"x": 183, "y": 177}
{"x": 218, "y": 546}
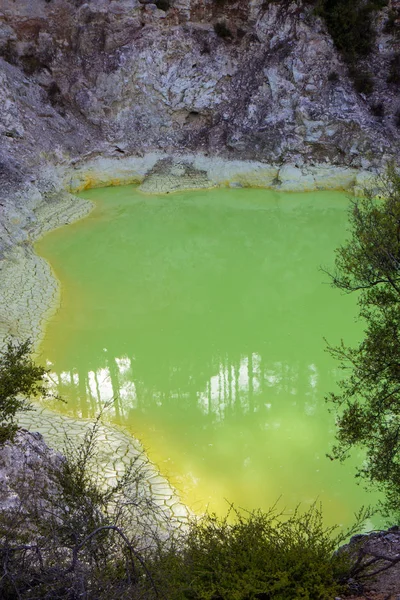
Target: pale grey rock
{"x": 379, "y": 547}
{"x": 168, "y": 176}
{"x": 27, "y": 472}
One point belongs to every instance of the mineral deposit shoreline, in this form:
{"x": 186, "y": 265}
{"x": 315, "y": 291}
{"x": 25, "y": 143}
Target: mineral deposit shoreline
{"x": 30, "y": 292}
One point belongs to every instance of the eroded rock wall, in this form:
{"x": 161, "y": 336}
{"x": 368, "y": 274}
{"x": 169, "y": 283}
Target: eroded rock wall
{"x": 244, "y": 79}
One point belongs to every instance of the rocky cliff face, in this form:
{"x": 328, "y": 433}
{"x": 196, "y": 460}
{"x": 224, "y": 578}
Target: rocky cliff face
{"x": 245, "y": 79}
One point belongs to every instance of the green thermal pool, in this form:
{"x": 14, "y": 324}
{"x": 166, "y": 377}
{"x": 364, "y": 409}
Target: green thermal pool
{"x": 203, "y": 315}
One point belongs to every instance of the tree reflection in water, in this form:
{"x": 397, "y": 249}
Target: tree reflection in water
{"x": 203, "y": 316}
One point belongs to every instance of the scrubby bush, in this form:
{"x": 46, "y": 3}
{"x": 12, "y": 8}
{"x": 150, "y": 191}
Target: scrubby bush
{"x": 81, "y": 538}
{"x": 351, "y": 27}
{"x": 350, "y": 24}
{"x": 397, "y": 118}
{"x": 9, "y": 52}
{"x": 54, "y": 94}
{"x": 254, "y": 555}
{"x": 20, "y": 379}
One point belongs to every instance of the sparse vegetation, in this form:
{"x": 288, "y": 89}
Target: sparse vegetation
{"x": 368, "y": 403}
{"x": 9, "y": 52}
{"x": 55, "y": 95}
{"x": 392, "y": 23}
{"x": 20, "y": 379}
{"x": 31, "y": 63}
{"x": 80, "y": 538}
{"x": 350, "y": 24}
{"x": 351, "y": 27}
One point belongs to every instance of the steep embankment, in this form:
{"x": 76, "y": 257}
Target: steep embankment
{"x": 245, "y": 79}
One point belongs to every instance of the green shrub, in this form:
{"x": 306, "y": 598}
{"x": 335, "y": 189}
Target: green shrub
{"x": 367, "y": 400}
{"x": 350, "y": 24}
{"x": 80, "y": 538}
{"x": 20, "y": 379}
{"x": 351, "y": 27}
{"x": 257, "y": 556}
{"x": 9, "y": 52}
{"x": 31, "y": 63}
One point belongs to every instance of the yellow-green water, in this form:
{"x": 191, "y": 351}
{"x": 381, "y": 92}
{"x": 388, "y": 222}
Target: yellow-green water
{"x": 203, "y": 315}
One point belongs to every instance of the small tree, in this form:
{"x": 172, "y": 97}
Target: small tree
{"x": 369, "y": 399}
{"x": 20, "y": 379}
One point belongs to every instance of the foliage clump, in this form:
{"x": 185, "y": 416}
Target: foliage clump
{"x": 392, "y": 23}
{"x": 350, "y": 24}
{"x": 368, "y": 402}
{"x": 81, "y": 538}
{"x": 20, "y": 379}
{"x": 362, "y": 79}
{"x": 258, "y": 555}
{"x": 333, "y": 77}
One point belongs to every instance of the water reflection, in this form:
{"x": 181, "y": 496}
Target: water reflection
{"x": 204, "y": 323}
{"x": 237, "y": 389}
